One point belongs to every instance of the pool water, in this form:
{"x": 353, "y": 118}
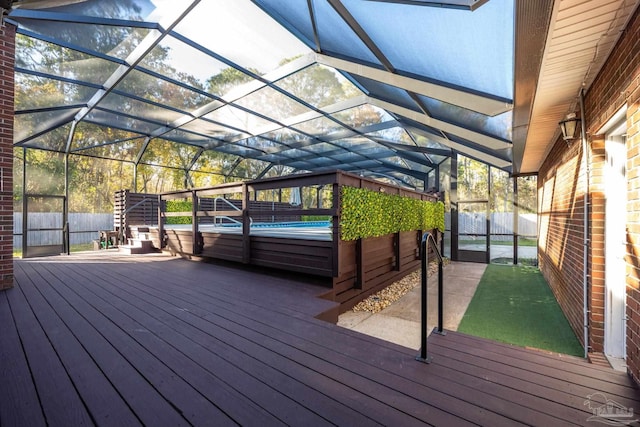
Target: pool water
{"x": 313, "y": 230}
{"x": 290, "y": 224}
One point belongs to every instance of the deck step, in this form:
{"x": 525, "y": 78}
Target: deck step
{"x": 137, "y": 247}
{"x": 598, "y": 359}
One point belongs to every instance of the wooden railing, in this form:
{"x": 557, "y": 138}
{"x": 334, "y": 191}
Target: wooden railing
{"x": 358, "y": 267}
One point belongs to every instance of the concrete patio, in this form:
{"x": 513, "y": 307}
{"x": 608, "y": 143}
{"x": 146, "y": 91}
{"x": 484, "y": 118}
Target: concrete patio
{"x": 400, "y": 322}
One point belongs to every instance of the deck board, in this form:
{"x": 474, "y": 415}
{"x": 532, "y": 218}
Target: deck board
{"x": 19, "y": 404}
{"x": 206, "y": 351}
{"x": 150, "y": 407}
{"x": 260, "y": 324}
{"x": 197, "y": 310}
{"x": 104, "y": 403}
{"x": 436, "y": 392}
{"x": 156, "y": 340}
{"x": 256, "y": 317}
{"x": 64, "y": 407}
{"x": 252, "y": 318}
{"x": 167, "y": 370}
{"x": 530, "y": 368}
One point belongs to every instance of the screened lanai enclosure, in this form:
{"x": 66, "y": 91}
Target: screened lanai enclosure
{"x": 156, "y": 96}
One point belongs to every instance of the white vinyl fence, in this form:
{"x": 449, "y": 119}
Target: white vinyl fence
{"x": 501, "y": 223}
{"x": 83, "y": 227}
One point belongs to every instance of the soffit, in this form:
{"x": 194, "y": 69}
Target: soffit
{"x": 581, "y": 36}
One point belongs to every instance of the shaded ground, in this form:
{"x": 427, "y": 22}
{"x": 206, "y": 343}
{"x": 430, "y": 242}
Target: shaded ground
{"x": 400, "y": 322}
{"x": 514, "y": 305}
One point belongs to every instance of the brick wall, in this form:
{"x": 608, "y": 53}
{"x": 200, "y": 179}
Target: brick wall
{"x": 7, "y": 61}
{"x": 618, "y": 84}
{"x": 561, "y": 190}
{"x": 562, "y": 200}
{"x": 633, "y": 226}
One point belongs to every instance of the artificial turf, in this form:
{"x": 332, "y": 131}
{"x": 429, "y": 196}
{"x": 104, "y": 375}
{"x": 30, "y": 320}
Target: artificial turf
{"x": 514, "y": 305}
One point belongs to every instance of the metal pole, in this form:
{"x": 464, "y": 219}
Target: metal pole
{"x": 488, "y": 217}
{"x": 424, "y": 258}
{"x": 585, "y": 225}
{"x": 453, "y": 198}
{"x": 135, "y": 177}
{"x": 194, "y": 222}
{"x": 440, "y": 329}
{"x": 161, "y": 221}
{"x": 516, "y": 218}
{"x": 65, "y": 202}
{"x": 25, "y": 204}
{"x": 423, "y": 357}
{"x": 66, "y": 233}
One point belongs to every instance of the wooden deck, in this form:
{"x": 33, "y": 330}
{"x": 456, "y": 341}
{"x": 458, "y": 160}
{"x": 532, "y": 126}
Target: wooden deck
{"x": 161, "y": 341}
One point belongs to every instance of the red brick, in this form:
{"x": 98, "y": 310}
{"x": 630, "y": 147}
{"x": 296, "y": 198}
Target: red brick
{"x": 7, "y": 62}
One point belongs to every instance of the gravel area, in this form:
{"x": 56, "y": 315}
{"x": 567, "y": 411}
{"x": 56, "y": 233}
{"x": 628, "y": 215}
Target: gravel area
{"x": 392, "y": 293}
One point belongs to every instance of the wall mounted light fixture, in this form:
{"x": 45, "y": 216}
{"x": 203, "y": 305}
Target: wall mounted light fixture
{"x": 570, "y": 127}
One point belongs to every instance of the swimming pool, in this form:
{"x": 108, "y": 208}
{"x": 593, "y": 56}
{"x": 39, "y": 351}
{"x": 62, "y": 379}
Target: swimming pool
{"x": 286, "y": 224}
{"x": 312, "y": 230}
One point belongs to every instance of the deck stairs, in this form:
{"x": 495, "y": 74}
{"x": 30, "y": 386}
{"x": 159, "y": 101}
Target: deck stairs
{"x": 139, "y": 243}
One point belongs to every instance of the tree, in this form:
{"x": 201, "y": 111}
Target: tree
{"x": 316, "y": 85}
{"x": 227, "y": 79}
{"x": 473, "y": 178}
{"x": 501, "y": 191}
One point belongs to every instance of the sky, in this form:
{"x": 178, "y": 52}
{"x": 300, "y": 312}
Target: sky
{"x": 236, "y": 29}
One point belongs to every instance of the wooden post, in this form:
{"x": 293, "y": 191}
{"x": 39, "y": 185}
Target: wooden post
{"x": 335, "y": 223}
{"x": 194, "y": 223}
{"x": 359, "y": 264}
{"x": 246, "y": 226}
{"x": 396, "y": 250}
{"x": 160, "y": 222}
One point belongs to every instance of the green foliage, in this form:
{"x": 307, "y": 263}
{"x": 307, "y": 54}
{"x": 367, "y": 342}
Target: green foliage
{"x": 367, "y": 213}
{"x": 178, "y": 206}
{"x": 227, "y": 79}
{"x": 313, "y": 218}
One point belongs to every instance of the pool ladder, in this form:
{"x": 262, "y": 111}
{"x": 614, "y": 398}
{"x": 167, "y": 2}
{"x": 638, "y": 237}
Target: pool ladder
{"x": 223, "y": 217}
{"x": 427, "y": 238}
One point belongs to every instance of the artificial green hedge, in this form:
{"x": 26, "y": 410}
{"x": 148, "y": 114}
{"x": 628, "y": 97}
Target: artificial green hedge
{"x": 367, "y": 213}
{"x": 178, "y": 206}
